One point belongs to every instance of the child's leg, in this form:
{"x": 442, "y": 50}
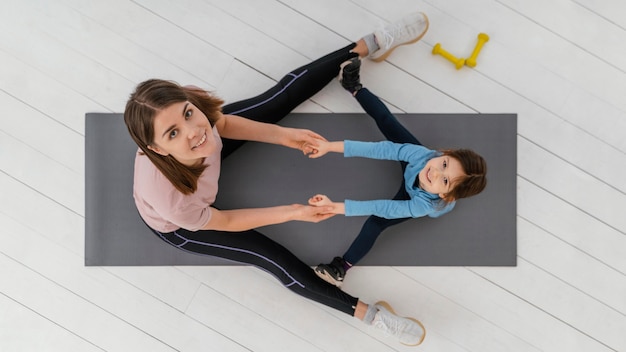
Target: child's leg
{"x": 394, "y": 132}
{"x": 371, "y": 229}
{"x": 387, "y": 123}
{"x": 293, "y": 89}
{"x": 335, "y": 271}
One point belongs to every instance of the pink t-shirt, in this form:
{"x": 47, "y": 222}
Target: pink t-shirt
{"x": 163, "y": 207}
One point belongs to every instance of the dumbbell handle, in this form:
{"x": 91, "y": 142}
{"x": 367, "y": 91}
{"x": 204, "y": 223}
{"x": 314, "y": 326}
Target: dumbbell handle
{"x": 438, "y": 50}
{"x": 482, "y": 39}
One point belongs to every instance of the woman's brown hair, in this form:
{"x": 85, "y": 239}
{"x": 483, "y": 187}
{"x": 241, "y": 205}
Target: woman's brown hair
{"x": 474, "y": 181}
{"x": 149, "y": 98}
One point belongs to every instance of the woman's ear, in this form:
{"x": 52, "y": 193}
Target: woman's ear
{"x": 157, "y": 150}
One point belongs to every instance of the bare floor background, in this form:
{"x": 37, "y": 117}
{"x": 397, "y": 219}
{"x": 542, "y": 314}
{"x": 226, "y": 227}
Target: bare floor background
{"x": 558, "y": 64}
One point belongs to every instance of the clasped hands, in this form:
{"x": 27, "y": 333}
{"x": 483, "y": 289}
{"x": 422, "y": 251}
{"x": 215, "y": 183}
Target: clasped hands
{"x": 320, "y": 208}
{"x": 314, "y": 146}
{"x": 310, "y": 143}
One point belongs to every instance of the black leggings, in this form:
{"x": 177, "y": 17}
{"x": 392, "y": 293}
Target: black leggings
{"x": 252, "y": 247}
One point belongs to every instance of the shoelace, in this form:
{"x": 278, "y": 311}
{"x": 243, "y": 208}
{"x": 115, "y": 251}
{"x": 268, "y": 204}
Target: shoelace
{"x": 388, "y": 37}
{"x": 390, "y": 325}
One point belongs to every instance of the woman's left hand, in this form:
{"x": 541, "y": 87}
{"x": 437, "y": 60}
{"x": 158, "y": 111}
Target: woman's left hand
{"x": 301, "y": 139}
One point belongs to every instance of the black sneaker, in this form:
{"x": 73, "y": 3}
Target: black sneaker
{"x": 349, "y": 75}
{"x": 332, "y": 273}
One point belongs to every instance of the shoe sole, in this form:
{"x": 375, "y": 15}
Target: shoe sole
{"x": 384, "y": 56}
{"x": 387, "y": 306}
{"x": 341, "y": 67}
{"x": 331, "y": 280}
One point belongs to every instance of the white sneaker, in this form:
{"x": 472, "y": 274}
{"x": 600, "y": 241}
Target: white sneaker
{"x": 408, "y": 330}
{"x": 408, "y": 30}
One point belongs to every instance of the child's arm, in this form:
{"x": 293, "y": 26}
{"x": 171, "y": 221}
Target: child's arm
{"x": 324, "y": 147}
{"x": 320, "y": 200}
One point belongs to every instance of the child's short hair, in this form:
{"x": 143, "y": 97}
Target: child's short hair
{"x": 474, "y": 181}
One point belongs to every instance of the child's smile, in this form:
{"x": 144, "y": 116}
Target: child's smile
{"x": 439, "y": 174}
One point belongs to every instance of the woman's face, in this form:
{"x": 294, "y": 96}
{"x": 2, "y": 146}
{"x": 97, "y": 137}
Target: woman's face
{"x": 439, "y": 174}
{"x": 183, "y": 131}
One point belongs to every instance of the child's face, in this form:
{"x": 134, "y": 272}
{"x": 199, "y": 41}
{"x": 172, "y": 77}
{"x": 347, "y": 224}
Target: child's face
{"x": 439, "y": 174}
{"x": 183, "y": 131}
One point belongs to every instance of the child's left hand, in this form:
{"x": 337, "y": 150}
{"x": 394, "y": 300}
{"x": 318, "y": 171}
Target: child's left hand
{"x": 305, "y": 140}
{"x": 320, "y": 149}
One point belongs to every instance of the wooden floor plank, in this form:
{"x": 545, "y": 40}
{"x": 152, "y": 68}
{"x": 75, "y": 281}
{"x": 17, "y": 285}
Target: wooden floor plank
{"x": 511, "y": 313}
{"x": 572, "y": 307}
{"x": 602, "y": 38}
{"x": 571, "y": 225}
{"x": 148, "y": 322}
{"x": 24, "y": 330}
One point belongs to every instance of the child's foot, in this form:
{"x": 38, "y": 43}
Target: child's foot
{"x": 409, "y": 331}
{"x": 349, "y": 75}
{"x": 408, "y": 30}
{"x": 332, "y": 273}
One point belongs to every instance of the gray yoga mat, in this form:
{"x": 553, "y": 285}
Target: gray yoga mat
{"x": 480, "y": 231}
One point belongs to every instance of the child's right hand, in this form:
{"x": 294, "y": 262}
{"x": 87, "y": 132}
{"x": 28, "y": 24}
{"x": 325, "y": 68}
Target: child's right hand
{"x": 319, "y": 200}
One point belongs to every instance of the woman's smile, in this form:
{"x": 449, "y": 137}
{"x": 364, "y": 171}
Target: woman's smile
{"x": 184, "y": 132}
{"x": 201, "y": 142}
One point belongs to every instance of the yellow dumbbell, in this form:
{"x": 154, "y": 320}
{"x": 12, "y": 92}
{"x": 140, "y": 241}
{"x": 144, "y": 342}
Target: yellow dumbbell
{"x": 437, "y": 49}
{"x": 482, "y": 39}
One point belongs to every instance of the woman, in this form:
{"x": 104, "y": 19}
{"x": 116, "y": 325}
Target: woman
{"x": 183, "y": 133}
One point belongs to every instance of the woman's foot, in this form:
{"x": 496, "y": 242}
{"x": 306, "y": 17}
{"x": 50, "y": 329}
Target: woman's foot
{"x": 409, "y": 331}
{"x": 407, "y": 30}
{"x": 332, "y": 273}
{"x": 349, "y": 76}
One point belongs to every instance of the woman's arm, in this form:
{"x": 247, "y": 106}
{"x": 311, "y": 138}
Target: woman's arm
{"x": 237, "y": 127}
{"x": 247, "y": 219}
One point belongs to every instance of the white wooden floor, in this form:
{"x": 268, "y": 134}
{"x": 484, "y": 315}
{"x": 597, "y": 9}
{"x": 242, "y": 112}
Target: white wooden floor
{"x": 559, "y": 64}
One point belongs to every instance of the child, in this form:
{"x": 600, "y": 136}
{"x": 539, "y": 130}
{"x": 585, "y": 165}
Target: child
{"x": 432, "y": 180}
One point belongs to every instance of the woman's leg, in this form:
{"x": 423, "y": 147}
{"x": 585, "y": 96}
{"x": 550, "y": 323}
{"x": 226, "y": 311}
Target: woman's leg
{"x": 251, "y": 247}
{"x": 292, "y": 90}
{"x": 254, "y": 248}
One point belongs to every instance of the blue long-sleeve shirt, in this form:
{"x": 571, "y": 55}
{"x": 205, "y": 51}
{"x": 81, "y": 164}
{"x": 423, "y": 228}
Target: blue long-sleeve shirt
{"x": 422, "y": 203}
